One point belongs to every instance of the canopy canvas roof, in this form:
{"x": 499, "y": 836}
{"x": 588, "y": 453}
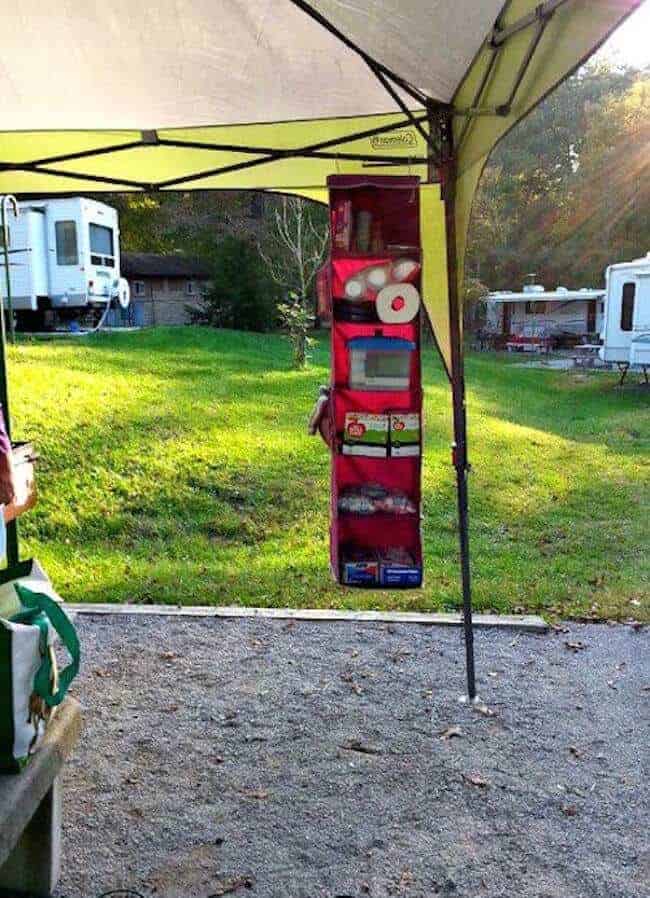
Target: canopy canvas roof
{"x": 280, "y": 94}
{"x": 169, "y": 82}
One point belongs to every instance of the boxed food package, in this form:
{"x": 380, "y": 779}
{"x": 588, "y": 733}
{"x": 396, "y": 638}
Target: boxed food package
{"x": 360, "y": 567}
{"x": 365, "y": 435}
{"x": 404, "y": 434}
{"x": 397, "y": 567}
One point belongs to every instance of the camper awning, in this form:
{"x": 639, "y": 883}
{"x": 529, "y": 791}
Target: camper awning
{"x": 560, "y": 296}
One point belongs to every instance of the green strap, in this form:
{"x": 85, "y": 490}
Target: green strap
{"x": 33, "y": 617}
{"x": 37, "y": 601}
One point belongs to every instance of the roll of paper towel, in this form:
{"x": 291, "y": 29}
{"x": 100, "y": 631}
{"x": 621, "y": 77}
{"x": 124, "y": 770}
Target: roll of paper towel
{"x": 398, "y": 303}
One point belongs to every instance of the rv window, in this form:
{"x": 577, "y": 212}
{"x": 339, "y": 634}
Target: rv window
{"x": 66, "y": 243}
{"x": 101, "y": 245}
{"x": 138, "y": 288}
{"x": 627, "y": 306}
{"x": 535, "y": 308}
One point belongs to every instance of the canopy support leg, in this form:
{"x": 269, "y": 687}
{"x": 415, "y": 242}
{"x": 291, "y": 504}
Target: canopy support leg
{"x": 13, "y": 553}
{"x": 459, "y": 447}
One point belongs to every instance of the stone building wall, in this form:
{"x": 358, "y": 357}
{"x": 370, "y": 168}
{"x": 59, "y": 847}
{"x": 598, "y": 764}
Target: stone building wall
{"x": 164, "y": 301}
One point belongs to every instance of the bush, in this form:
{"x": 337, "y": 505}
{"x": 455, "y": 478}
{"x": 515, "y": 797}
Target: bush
{"x": 239, "y": 296}
{"x": 299, "y": 323}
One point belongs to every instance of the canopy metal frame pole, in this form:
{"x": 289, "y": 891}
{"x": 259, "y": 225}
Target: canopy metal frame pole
{"x": 460, "y": 461}
{"x": 325, "y": 149}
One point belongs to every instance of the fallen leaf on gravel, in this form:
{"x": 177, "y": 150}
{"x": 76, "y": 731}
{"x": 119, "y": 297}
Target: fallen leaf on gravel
{"x": 575, "y": 646}
{"x": 558, "y": 628}
{"x": 258, "y": 794}
{"x": 575, "y": 751}
{"x": 405, "y": 881}
{"x": 232, "y": 885}
{"x": 569, "y": 810}
{"x": 168, "y": 656}
{"x": 612, "y": 684}
{"x": 101, "y": 673}
{"x": 475, "y": 779}
{"x": 645, "y": 689}
{"x": 449, "y": 733}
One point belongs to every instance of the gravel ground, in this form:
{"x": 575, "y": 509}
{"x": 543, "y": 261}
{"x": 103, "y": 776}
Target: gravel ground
{"x": 296, "y": 760}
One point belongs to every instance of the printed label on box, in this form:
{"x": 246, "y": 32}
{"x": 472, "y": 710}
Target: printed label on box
{"x": 365, "y": 434}
{"x": 399, "y": 575}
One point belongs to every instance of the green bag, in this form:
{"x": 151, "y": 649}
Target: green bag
{"x": 30, "y": 684}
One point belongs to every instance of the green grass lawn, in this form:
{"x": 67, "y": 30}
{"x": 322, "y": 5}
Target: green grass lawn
{"x": 175, "y": 468}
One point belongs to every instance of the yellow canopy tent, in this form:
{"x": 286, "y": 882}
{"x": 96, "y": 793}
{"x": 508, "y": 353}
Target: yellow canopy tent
{"x": 279, "y": 94}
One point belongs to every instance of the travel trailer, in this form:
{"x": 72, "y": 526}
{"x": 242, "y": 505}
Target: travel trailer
{"x": 617, "y": 317}
{"x": 626, "y": 330}
{"x": 537, "y": 317}
{"x": 64, "y": 260}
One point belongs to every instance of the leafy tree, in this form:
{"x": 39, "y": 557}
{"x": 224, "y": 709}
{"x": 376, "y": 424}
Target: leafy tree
{"x": 552, "y": 199}
{"x": 240, "y": 295}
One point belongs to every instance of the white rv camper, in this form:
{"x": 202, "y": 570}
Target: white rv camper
{"x": 537, "y": 314}
{"x": 626, "y": 329}
{"x": 64, "y": 258}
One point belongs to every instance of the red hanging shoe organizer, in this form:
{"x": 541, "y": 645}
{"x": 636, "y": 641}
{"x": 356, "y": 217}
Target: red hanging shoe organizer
{"x": 374, "y": 418}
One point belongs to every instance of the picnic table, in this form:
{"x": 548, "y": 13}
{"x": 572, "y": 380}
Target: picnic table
{"x": 529, "y": 344}
{"x": 30, "y": 811}
{"x": 586, "y": 355}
